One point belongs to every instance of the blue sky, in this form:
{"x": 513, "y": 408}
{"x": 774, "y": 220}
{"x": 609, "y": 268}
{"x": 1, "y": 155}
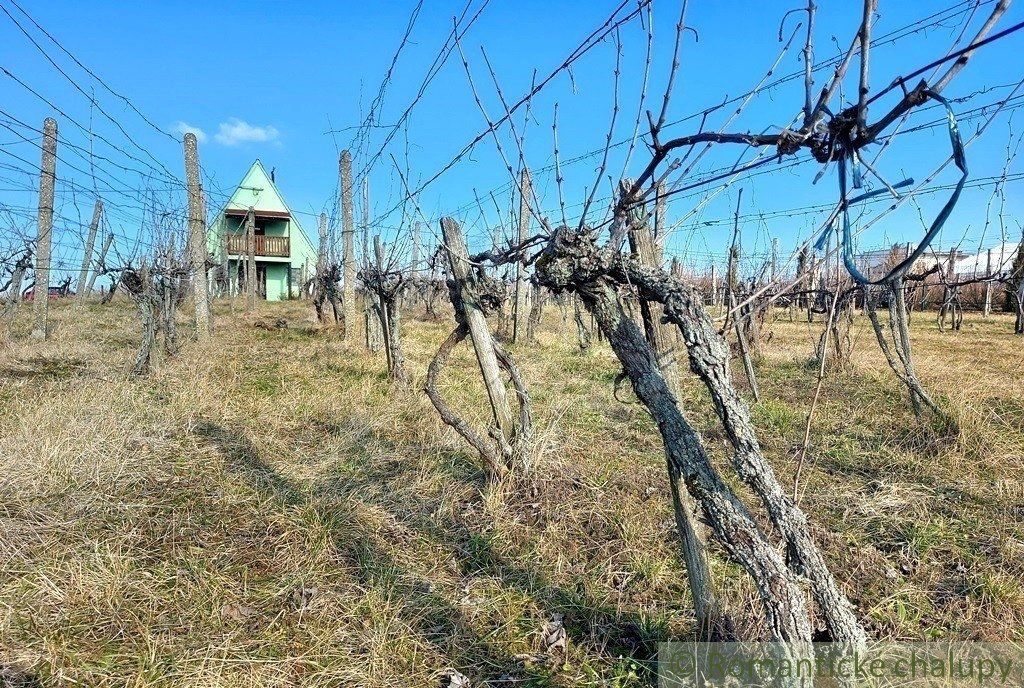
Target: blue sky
{"x": 269, "y": 80}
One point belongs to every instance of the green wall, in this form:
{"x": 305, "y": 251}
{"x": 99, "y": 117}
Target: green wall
{"x": 256, "y": 190}
{"x": 235, "y": 225}
{"x": 277, "y": 281}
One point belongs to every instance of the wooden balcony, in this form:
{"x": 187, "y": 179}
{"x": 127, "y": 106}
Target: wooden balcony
{"x": 271, "y": 246}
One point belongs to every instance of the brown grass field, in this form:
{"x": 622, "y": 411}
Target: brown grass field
{"x": 268, "y": 510}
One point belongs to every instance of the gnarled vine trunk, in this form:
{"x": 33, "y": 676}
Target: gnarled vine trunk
{"x": 898, "y": 355}
{"x": 571, "y": 261}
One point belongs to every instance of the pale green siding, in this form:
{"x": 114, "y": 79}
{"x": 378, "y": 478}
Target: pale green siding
{"x": 233, "y": 225}
{"x": 257, "y": 191}
{"x": 277, "y": 281}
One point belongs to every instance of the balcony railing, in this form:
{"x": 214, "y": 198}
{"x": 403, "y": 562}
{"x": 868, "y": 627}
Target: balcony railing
{"x": 274, "y": 246}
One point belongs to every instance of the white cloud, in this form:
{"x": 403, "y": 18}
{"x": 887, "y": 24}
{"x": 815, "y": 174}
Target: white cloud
{"x": 236, "y": 131}
{"x": 184, "y": 128}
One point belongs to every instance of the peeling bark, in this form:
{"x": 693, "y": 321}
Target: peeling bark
{"x": 571, "y": 261}
{"x": 709, "y": 360}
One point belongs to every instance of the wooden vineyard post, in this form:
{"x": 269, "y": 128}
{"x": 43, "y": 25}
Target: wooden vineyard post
{"x": 479, "y": 332}
{"x": 47, "y": 181}
{"x": 520, "y": 316}
{"x": 414, "y": 263}
{"x": 741, "y": 337}
{"x": 372, "y": 331}
{"x": 347, "y": 243}
{"x": 197, "y": 239}
{"x": 471, "y": 293}
{"x": 82, "y": 286}
{"x": 536, "y": 311}
{"x": 663, "y": 341}
{"x": 987, "y": 309}
{"x": 713, "y": 302}
{"x": 101, "y": 263}
{"x": 661, "y": 337}
{"x": 250, "y": 262}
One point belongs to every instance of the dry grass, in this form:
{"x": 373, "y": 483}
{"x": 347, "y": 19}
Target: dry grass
{"x": 267, "y": 510}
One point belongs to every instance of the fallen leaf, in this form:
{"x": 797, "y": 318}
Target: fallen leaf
{"x": 301, "y": 597}
{"x": 554, "y": 638}
{"x": 455, "y": 679}
{"x": 236, "y": 612}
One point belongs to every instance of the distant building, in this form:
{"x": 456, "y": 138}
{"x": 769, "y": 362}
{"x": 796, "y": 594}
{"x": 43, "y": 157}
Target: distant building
{"x": 978, "y": 265}
{"x": 966, "y": 266}
{"x": 876, "y": 264}
{"x": 285, "y": 257}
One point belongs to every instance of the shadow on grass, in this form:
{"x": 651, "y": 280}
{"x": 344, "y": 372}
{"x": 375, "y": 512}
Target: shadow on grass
{"x": 435, "y": 619}
{"x": 947, "y": 495}
{"x": 43, "y": 367}
{"x": 603, "y": 628}
{"x": 13, "y": 678}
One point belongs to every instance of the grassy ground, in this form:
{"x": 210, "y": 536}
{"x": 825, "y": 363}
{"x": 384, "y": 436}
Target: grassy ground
{"x": 267, "y": 510}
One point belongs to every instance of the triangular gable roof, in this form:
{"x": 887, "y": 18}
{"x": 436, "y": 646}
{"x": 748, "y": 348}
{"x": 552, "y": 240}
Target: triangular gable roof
{"x": 258, "y": 191}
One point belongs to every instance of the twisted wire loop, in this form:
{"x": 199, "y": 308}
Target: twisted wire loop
{"x": 959, "y": 159}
